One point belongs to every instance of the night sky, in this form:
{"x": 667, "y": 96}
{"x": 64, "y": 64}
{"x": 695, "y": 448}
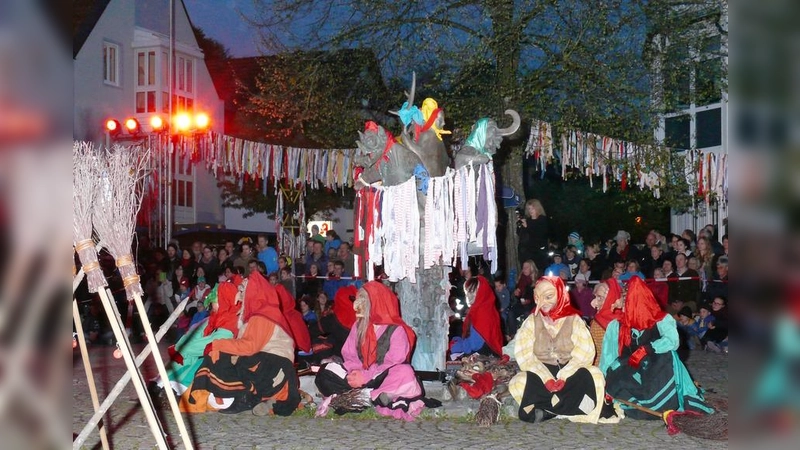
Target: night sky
{"x": 221, "y": 20}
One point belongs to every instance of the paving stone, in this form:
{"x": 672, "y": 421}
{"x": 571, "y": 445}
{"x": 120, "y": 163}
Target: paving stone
{"x": 447, "y": 427}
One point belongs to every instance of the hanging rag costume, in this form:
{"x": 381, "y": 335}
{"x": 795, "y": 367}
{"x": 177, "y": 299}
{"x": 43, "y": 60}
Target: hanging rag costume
{"x": 238, "y": 374}
{"x": 554, "y": 351}
{"x": 640, "y": 362}
{"x": 187, "y": 354}
{"x": 481, "y": 330}
{"x": 381, "y": 359}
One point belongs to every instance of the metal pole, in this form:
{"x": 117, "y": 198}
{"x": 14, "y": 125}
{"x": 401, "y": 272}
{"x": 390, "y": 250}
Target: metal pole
{"x": 171, "y": 146}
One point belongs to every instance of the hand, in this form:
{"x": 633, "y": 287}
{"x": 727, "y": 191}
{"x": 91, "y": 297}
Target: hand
{"x": 174, "y": 355}
{"x": 554, "y": 385}
{"x": 355, "y": 379}
{"x": 637, "y": 356}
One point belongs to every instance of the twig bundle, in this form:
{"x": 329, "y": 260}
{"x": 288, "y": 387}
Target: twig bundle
{"x": 85, "y": 179}
{"x": 119, "y": 197}
{"x": 354, "y": 400}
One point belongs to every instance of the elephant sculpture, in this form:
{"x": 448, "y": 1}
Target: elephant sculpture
{"x": 484, "y": 140}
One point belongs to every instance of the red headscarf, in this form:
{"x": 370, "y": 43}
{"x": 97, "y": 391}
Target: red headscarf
{"x": 227, "y": 316}
{"x": 484, "y": 317}
{"x": 563, "y": 307}
{"x": 606, "y": 313}
{"x": 641, "y": 311}
{"x": 294, "y": 318}
{"x": 343, "y": 306}
{"x": 261, "y": 299}
{"x": 384, "y": 309}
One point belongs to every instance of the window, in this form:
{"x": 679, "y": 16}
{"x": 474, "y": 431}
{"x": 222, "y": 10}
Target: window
{"x": 146, "y": 82}
{"x": 709, "y": 128}
{"x": 676, "y": 132}
{"x": 111, "y": 63}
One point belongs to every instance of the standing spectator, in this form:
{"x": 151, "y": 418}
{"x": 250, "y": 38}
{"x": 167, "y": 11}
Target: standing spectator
{"x": 173, "y": 261}
{"x": 659, "y": 287}
{"x": 718, "y": 286}
{"x": 317, "y": 258}
{"x": 624, "y": 250}
{"x": 210, "y": 266}
{"x": 346, "y": 255}
{"x": 523, "y": 293}
{"x": 571, "y": 259}
{"x": 189, "y": 264}
{"x": 584, "y": 269}
{"x": 316, "y": 236}
{"x": 267, "y": 253}
{"x": 230, "y": 247}
{"x": 654, "y": 260}
{"x": 688, "y": 291}
{"x": 558, "y": 268}
{"x": 668, "y": 269}
{"x": 710, "y": 231}
{"x": 596, "y": 261}
{"x": 691, "y": 237}
{"x": 332, "y": 241}
{"x": 705, "y": 257}
{"x": 631, "y": 270}
{"x": 335, "y": 281}
{"x": 575, "y": 239}
{"x": 504, "y": 298}
{"x": 245, "y": 256}
{"x": 197, "y": 251}
{"x": 581, "y": 297}
{"x": 683, "y": 245}
{"x": 533, "y": 231}
{"x": 312, "y": 283}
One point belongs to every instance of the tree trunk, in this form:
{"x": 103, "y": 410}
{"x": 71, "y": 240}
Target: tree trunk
{"x": 512, "y": 177}
{"x": 424, "y": 306}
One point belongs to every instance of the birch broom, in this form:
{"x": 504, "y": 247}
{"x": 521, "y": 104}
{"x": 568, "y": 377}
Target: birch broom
{"x": 119, "y": 198}
{"x": 85, "y": 179}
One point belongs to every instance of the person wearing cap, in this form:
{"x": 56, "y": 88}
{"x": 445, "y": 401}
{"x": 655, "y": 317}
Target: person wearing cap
{"x": 640, "y": 360}
{"x": 623, "y": 250}
{"x": 575, "y": 239}
{"x": 558, "y": 268}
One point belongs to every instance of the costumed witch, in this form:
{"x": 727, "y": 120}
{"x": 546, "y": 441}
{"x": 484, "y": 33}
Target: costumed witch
{"x": 222, "y": 323}
{"x": 640, "y": 362}
{"x": 376, "y": 355}
{"x": 608, "y": 301}
{"x": 336, "y": 327}
{"x": 481, "y": 330}
{"x": 554, "y": 351}
{"x": 254, "y": 371}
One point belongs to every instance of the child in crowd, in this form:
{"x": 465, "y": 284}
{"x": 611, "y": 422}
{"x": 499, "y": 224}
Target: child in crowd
{"x": 504, "y": 297}
{"x": 572, "y": 259}
{"x": 704, "y": 319}
{"x": 581, "y": 297}
{"x": 558, "y": 268}
{"x": 688, "y": 326}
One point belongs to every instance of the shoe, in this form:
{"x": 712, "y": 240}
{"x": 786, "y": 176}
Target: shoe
{"x": 383, "y": 400}
{"x": 713, "y": 347}
{"x": 235, "y": 408}
{"x": 540, "y": 415}
{"x": 263, "y": 408}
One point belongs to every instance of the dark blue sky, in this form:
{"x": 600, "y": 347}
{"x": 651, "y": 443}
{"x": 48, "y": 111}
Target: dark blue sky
{"x": 221, "y": 20}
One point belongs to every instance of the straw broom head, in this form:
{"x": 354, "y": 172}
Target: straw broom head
{"x": 84, "y": 189}
{"x": 119, "y": 197}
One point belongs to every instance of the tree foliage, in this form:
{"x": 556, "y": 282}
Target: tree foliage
{"x": 579, "y": 64}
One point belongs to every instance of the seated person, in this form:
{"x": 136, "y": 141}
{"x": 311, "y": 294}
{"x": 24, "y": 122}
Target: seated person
{"x": 222, "y": 323}
{"x": 640, "y": 361}
{"x": 254, "y": 371}
{"x": 376, "y": 358}
{"x": 554, "y": 351}
{"x": 481, "y": 331}
{"x": 716, "y": 338}
{"x": 581, "y": 297}
{"x": 608, "y": 302}
{"x": 335, "y": 327}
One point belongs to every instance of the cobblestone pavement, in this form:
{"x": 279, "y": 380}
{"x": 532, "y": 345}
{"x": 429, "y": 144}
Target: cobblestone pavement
{"x": 442, "y": 428}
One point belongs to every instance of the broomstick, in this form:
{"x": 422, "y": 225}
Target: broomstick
{"x": 685, "y": 421}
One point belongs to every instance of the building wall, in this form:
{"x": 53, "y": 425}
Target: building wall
{"x": 94, "y": 100}
{"x": 125, "y": 23}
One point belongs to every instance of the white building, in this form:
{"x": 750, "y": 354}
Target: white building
{"x": 121, "y": 61}
{"x": 690, "y": 87}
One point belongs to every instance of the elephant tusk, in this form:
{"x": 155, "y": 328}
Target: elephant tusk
{"x": 514, "y": 124}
